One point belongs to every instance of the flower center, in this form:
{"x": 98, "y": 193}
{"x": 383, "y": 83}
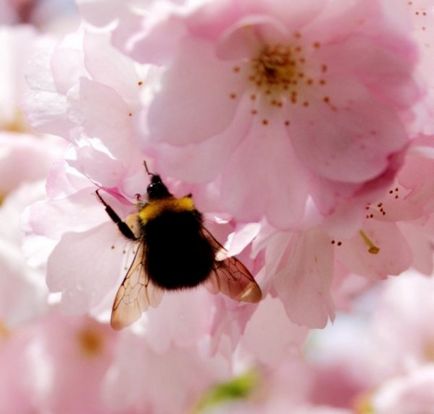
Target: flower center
{"x": 283, "y": 75}
{"x": 17, "y": 124}
{"x": 277, "y": 69}
{"x": 90, "y": 341}
{"x": 363, "y": 404}
{"x": 4, "y": 330}
{"x": 428, "y": 351}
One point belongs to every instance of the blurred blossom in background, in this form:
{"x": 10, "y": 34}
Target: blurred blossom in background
{"x": 303, "y": 131}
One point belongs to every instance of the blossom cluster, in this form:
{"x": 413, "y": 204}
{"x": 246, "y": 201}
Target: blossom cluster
{"x": 303, "y": 132}
{"x": 306, "y": 129}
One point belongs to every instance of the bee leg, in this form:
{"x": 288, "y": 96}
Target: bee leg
{"x": 122, "y": 226}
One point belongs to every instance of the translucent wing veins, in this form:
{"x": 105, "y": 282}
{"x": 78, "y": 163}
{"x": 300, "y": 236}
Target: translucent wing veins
{"x": 135, "y": 294}
{"x": 230, "y": 276}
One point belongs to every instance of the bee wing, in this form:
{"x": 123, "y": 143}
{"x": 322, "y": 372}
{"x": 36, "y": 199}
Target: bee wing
{"x": 136, "y": 293}
{"x": 230, "y": 276}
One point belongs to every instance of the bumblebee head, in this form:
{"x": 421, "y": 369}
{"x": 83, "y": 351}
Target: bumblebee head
{"x": 156, "y": 189}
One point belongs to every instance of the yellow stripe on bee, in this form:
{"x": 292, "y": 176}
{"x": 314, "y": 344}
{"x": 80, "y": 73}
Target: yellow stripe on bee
{"x": 156, "y": 207}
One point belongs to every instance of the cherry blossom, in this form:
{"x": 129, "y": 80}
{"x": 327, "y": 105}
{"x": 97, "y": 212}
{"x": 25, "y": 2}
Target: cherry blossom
{"x": 249, "y": 86}
{"x": 56, "y": 364}
{"x": 409, "y": 394}
{"x": 303, "y": 131}
{"x": 311, "y": 269}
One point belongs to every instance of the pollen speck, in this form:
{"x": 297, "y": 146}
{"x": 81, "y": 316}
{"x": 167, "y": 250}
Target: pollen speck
{"x": 265, "y": 122}
{"x": 140, "y": 83}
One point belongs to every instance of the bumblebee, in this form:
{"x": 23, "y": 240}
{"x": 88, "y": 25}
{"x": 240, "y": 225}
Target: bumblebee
{"x": 174, "y": 251}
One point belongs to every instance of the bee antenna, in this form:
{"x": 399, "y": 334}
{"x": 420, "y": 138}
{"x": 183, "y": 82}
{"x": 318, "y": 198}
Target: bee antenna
{"x": 147, "y": 169}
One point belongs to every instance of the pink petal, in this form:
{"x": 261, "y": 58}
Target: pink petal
{"x": 129, "y": 385}
{"x": 104, "y": 115}
{"x": 195, "y": 98}
{"x": 249, "y": 174}
{"x": 182, "y": 319}
{"x": 85, "y": 282}
{"x": 121, "y": 75}
{"x": 303, "y": 284}
{"x": 419, "y": 241}
{"x": 202, "y": 162}
{"x": 394, "y": 254}
{"x": 242, "y": 236}
{"x": 99, "y": 12}
{"x": 245, "y": 39}
{"x": 352, "y": 143}
{"x": 15, "y": 153}
{"x": 66, "y": 62}
{"x": 156, "y": 43}
{"x": 54, "y": 217}
{"x": 287, "y": 336}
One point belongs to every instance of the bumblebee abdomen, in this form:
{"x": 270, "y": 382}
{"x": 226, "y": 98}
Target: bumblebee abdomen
{"x": 177, "y": 254}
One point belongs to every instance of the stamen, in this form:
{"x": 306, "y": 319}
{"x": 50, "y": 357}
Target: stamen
{"x": 372, "y": 248}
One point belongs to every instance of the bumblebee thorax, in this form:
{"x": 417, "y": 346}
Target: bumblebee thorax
{"x": 156, "y": 207}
